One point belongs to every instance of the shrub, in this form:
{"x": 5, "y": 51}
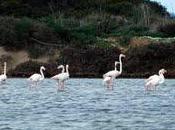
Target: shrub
{"x": 22, "y": 30}
{"x": 131, "y": 30}
{"x": 168, "y": 30}
{"x": 7, "y": 32}
{"x": 151, "y": 57}
{"x": 14, "y": 33}
{"x": 122, "y": 8}
{"x": 125, "y": 40}
{"x": 89, "y": 61}
{"x": 42, "y": 32}
{"x": 26, "y": 69}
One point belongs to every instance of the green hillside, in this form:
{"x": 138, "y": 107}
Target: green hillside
{"x": 48, "y": 27}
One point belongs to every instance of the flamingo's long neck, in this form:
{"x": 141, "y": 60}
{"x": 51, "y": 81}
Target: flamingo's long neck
{"x": 5, "y": 68}
{"x": 120, "y": 59}
{"x": 162, "y": 78}
{"x": 67, "y": 70}
{"x": 42, "y": 75}
{"x": 115, "y": 67}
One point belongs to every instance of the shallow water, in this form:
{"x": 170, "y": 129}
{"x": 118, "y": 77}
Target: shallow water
{"x": 86, "y": 104}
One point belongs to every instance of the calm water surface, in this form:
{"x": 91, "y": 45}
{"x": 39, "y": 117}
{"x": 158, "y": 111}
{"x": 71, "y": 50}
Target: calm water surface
{"x": 86, "y": 104}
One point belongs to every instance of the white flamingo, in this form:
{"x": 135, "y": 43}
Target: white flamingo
{"x": 62, "y": 77}
{"x": 114, "y": 73}
{"x": 108, "y": 79}
{"x": 35, "y": 78}
{"x": 155, "y": 80}
{"x": 57, "y": 77}
{"x": 3, "y": 76}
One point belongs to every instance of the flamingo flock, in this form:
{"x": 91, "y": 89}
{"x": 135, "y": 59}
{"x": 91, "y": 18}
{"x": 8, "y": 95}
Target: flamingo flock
{"x": 151, "y": 83}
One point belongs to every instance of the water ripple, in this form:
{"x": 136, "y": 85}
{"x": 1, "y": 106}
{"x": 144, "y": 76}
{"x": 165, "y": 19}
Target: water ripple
{"x": 87, "y": 104}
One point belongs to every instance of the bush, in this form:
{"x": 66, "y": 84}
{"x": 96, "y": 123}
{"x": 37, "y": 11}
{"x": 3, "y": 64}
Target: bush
{"x": 22, "y": 30}
{"x": 122, "y": 8}
{"x": 131, "y": 30}
{"x": 168, "y": 30}
{"x": 42, "y": 32}
{"x": 125, "y": 40}
{"x": 14, "y": 33}
{"x": 30, "y": 67}
{"x": 89, "y": 61}
{"x": 7, "y": 32}
{"x": 150, "y": 58}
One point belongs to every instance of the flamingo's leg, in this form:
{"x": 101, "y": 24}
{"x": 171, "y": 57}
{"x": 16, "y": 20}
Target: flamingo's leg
{"x": 149, "y": 87}
{"x": 155, "y": 87}
{"x": 31, "y": 85}
{"x": 110, "y": 84}
{"x": 35, "y": 84}
{"x": 152, "y": 87}
{"x": 146, "y": 87}
{"x": 58, "y": 85}
{"x": 62, "y": 85}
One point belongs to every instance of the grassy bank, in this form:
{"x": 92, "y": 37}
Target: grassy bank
{"x": 87, "y": 35}
{"x": 140, "y": 61}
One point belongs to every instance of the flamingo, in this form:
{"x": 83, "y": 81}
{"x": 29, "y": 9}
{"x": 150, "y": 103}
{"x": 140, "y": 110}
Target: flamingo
{"x": 114, "y": 73}
{"x": 3, "y": 76}
{"x": 56, "y": 77}
{"x": 62, "y": 77}
{"x": 35, "y": 78}
{"x": 155, "y": 80}
{"x": 108, "y": 79}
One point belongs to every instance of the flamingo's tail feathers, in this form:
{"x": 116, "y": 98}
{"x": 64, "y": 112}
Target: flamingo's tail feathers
{"x": 54, "y": 77}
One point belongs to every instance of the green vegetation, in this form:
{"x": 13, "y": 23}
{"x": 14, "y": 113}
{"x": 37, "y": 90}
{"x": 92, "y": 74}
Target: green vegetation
{"x": 148, "y": 59}
{"x": 78, "y": 22}
{"x": 41, "y": 27}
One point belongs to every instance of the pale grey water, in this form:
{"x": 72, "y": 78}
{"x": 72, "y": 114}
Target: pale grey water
{"x": 86, "y": 104}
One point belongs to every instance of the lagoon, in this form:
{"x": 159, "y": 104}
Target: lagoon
{"x": 87, "y": 104}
